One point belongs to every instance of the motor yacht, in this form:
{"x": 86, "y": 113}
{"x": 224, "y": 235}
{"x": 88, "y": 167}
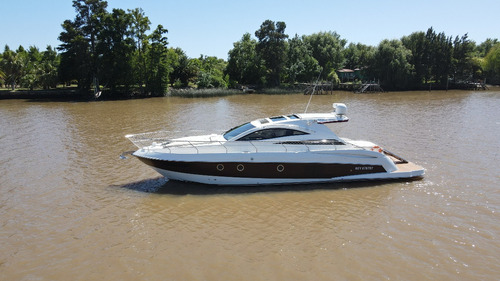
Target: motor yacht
{"x": 286, "y": 149}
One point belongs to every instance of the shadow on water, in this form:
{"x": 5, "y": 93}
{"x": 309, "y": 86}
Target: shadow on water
{"x": 171, "y": 187}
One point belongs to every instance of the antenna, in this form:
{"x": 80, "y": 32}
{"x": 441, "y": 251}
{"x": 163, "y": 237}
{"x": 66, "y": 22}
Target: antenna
{"x": 314, "y": 88}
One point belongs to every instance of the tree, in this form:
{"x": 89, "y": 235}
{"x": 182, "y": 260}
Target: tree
{"x": 2, "y": 75}
{"x": 440, "y": 50}
{"x": 12, "y": 65}
{"x": 327, "y": 48}
{"x": 48, "y": 68}
{"x": 484, "y": 48}
{"x": 271, "y": 48}
{"x": 211, "y": 72}
{"x": 463, "y": 63}
{"x": 113, "y": 48}
{"x": 391, "y": 64}
{"x": 419, "y": 47}
{"x": 184, "y": 70}
{"x": 79, "y": 39}
{"x": 358, "y": 55}
{"x": 116, "y": 50}
{"x": 492, "y": 63}
{"x": 140, "y": 25}
{"x": 301, "y": 66}
{"x": 74, "y": 56}
{"x": 431, "y": 57}
{"x": 157, "y": 61}
{"x": 244, "y": 64}
{"x": 31, "y": 66}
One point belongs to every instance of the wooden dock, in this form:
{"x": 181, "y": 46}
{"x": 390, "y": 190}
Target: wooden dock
{"x": 370, "y": 88}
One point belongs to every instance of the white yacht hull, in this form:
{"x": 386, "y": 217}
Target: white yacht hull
{"x": 214, "y": 180}
{"x": 294, "y": 168}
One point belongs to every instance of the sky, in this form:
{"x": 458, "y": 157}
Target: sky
{"x": 211, "y": 27}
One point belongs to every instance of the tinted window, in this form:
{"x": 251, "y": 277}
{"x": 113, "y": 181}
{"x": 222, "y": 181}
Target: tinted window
{"x": 238, "y": 130}
{"x": 278, "y": 118}
{"x": 271, "y": 134}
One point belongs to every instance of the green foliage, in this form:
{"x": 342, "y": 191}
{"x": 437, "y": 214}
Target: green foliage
{"x": 244, "y": 64}
{"x": 333, "y": 77}
{"x": 327, "y": 48}
{"x": 139, "y": 26}
{"x": 2, "y": 74}
{"x": 391, "y": 64}
{"x": 484, "y": 48}
{"x": 492, "y": 63}
{"x": 88, "y": 20}
{"x": 40, "y": 69}
{"x": 158, "y": 68}
{"x": 358, "y": 56}
{"x": 75, "y": 56}
{"x": 13, "y": 67}
{"x": 301, "y": 66}
{"x": 437, "y": 59}
{"x": 114, "y": 50}
{"x": 211, "y": 72}
{"x": 271, "y": 48}
{"x": 184, "y": 70}
{"x": 464, "y": 66}
{"x": 409, "y": 63}
{"x": 30, "y": 68}
{"x": 419, "y": 47}
{"x": 202, "y": 93}
{"x": 440, "y": 56}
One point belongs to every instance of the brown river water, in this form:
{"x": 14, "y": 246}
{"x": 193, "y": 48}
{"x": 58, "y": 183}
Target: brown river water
{"x": 71, "y": 209}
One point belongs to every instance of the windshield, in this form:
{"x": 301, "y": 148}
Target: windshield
{"x": 238, "y": 130}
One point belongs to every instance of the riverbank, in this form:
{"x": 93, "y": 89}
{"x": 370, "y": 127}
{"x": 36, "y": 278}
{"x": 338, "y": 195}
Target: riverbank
{"x": 59, "y": 94}
{"x": 71, "y": 93}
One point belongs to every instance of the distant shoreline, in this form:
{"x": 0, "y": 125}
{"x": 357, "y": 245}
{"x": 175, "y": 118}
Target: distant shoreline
{"x": 73, "y": 94}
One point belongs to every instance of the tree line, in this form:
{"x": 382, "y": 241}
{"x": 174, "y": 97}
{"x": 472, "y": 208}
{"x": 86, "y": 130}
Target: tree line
{"x": 116, "y": 52}
{"x": 410, "y": 63}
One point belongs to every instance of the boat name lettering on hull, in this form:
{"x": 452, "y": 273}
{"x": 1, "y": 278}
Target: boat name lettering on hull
{"x": 363, "y": 168}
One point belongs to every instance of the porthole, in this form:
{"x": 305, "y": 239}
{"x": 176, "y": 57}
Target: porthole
{"x": 280, "y": 168}
{"x": 220, "y": 167}
{"x": 240, "y": 167}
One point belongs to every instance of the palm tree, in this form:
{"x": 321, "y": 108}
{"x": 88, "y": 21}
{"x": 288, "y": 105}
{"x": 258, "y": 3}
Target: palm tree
{"x": 2, "y": 77}
{"x": 12, "y": 65}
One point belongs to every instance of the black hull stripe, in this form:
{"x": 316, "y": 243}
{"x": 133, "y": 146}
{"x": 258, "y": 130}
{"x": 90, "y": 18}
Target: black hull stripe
{"x": 265, "y": 170}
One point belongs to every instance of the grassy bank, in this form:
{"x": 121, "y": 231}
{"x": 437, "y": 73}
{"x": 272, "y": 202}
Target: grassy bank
{"x": 202, "y": 93}
{"x": 72, "y": 93}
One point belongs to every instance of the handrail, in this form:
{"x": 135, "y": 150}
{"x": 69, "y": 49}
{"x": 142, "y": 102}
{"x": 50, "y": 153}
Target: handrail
{"x": 257, "y": 146}
{"x": 160, "y": 139}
